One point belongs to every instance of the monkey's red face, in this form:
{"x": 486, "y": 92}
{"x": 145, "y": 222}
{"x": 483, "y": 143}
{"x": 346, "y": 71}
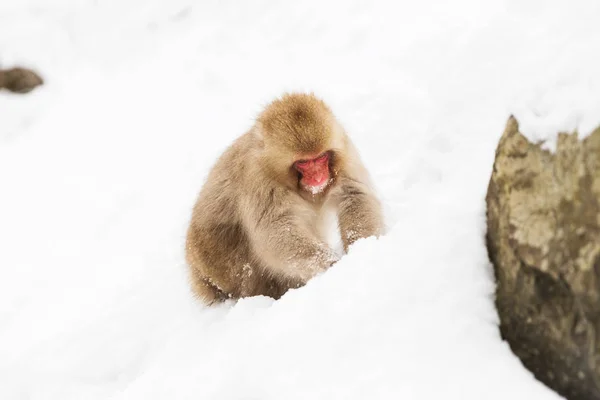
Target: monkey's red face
{"x": 314, "y": 172}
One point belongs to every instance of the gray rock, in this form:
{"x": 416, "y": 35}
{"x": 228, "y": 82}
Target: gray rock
{"x": 19, "y": 80}
{"x": 543, "y": 217}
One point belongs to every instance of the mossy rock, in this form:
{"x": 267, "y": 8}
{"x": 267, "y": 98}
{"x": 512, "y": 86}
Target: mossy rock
{"x": 543, "y": 238}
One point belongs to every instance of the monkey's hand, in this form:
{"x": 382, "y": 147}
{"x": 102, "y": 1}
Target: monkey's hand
{"x": 309, "y": 262}
{"x": 290, "y": 250}
{"x": 359, "y": 213}
{"x": 19, "y": 80}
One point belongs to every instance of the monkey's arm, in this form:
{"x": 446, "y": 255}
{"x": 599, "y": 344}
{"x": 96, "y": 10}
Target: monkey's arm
{"x": 359, "y": 212}
{"x": 287, "y": 246}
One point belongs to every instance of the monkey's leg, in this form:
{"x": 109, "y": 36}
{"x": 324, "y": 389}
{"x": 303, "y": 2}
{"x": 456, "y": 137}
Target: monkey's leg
{"x": 205, "y": 290}
{"x": 268, "y": 285}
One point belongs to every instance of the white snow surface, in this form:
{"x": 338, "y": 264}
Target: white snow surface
{"x": 100, "y": 167}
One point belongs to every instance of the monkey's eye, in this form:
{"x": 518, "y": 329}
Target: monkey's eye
{"x": 302, "y": 163}
{"x": 305, "y": 164}
{"x": 322, "y": 158}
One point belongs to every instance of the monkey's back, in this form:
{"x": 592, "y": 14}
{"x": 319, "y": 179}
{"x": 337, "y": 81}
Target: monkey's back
{"x": 218, "y": 252}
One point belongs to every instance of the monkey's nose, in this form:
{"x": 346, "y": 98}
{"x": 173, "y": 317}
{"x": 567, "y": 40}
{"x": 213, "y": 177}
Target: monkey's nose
{"x": 316, "y": 179}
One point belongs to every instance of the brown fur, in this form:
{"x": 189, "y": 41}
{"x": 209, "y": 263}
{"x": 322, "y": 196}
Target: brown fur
{"x": 254, "y": 230}
{"x": 19, "y": 80}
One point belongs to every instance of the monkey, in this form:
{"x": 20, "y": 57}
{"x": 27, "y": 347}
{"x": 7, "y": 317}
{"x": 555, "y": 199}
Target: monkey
{"x": 19, "y": 80}
{"x": 255, "y": 228}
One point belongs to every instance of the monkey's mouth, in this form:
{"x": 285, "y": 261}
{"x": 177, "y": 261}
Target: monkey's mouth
{"x": 316, "y": 188}
{"x": 315, "y": 180}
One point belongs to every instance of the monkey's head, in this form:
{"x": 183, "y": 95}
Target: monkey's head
{"x": 303, "y": 144}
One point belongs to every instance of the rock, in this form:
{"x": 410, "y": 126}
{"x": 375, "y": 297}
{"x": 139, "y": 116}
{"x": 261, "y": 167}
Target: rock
{"x": 543, "y": 238}
{"x": 19, "y": 80}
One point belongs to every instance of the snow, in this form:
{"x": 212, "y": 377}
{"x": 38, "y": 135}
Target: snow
{"x": 99, "y": 170}
{"x": 314, "y": 190}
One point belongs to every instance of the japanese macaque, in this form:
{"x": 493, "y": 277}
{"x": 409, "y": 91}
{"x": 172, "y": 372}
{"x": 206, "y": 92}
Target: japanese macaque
{"x": 257, "y": 227}
{"x": 19, "y": 80}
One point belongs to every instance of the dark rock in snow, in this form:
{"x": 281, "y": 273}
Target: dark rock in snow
{"x": 19, "y": 80}
{"x": 543, "y": 217}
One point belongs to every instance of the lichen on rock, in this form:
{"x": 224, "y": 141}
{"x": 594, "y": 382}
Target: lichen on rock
{"x": 543, "y": 216}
